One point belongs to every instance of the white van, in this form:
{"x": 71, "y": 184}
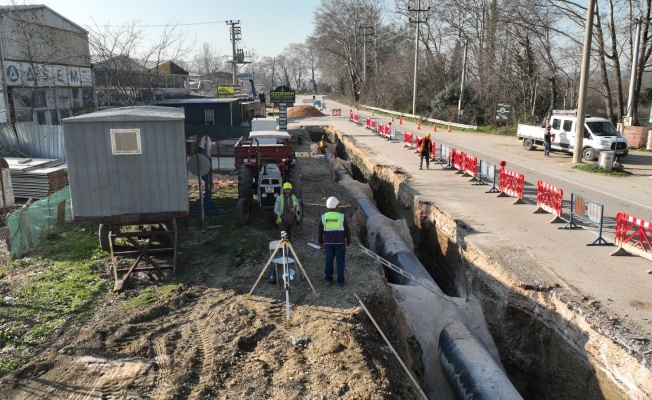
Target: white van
{"x": 599, "y": 135}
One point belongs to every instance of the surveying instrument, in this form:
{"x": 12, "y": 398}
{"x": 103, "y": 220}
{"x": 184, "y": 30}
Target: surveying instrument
{"x": 285, "y": 247}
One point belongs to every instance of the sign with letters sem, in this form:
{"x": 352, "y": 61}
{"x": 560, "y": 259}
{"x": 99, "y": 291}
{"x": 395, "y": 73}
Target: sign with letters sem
{"x": 18, "y": 73}
{"x": 282, "y": 94}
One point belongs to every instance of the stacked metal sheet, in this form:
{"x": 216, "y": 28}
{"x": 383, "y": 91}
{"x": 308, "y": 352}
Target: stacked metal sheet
{"x": 37, "y": 177}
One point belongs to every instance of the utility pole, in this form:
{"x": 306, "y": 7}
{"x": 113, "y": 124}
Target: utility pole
{"x": 584, "y": 80}
{"x": 416, "y": 21}
{"x": 364, "y": 63}
{"x": 238, "y": 54}
{"x": 459, "y": 105}
{"x": 236, "y": 35}
{"x": 634, "y": 71}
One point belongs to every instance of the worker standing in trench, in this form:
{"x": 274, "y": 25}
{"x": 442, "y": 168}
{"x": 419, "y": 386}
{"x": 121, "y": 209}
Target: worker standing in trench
{"x": 334, "y": 236}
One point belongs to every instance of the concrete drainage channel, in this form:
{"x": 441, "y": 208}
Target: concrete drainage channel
{"x": 540, "y": 348}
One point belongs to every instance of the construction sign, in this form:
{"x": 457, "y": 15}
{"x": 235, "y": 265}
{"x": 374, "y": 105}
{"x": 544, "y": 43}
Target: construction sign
{"x": 282, "y": 94}
{"x": 225, "y": 91}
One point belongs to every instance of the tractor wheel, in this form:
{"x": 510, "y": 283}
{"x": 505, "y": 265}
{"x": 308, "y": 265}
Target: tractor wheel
{"x": 242, "y": 211}
{"x": 294, "y": 176}
{"x": 588, "y": 154}
{"x": 103, "y": 235}
{"x": 245, "y": 183}
{"x": 528, "y": 144}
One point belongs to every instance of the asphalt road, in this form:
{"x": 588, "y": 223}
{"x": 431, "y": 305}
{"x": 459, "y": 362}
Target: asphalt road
{"x": 534, "y": 250}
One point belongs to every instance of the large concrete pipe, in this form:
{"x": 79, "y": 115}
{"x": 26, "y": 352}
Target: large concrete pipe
{"x": 469, "y": 368}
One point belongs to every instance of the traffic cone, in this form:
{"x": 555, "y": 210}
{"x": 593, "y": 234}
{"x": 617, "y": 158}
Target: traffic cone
{"x": 392, "y": 118}
{"x": 400, "y": 120}
{"x": 449, "y": 127}
{"x": 419, "y": 125}
{"x": 372, "y": 113}
{"x": 434, "y": 128}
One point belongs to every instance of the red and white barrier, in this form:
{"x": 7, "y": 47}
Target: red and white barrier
{"x": 407, "y": 139}
{"x": 632, "y": 236}
{"x": 457, "y": 158}
{"x": 550, "y": 199}
{"x": 471, "y": 167}
{"x": 511, "y": 184}
{"x": 351, "y": 115}
{"x": 336, "y": 112}
{"x": 368, "y": 123}
{"x": 374, "y": 125}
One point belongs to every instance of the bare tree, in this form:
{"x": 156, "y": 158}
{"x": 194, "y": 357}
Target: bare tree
{"x": 339, "y": 39}
{"x": 37, "y": 46}
{"x": 126, "y": 68}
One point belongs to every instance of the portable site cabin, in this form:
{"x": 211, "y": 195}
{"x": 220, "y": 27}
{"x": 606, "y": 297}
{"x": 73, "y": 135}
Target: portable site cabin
{"x": 127, "y": 167}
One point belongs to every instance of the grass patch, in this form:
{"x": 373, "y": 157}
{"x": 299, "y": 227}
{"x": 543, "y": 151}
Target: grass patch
{"x": 56, "y": 287}
{"x": 595, "y": 169}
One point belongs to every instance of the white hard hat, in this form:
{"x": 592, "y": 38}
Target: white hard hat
{"x": 332, "y": 202}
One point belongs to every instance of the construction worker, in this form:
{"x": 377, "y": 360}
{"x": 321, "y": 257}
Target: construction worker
{"x": 287, "y": 209}
{"x": 425, "y": 149}
{"x": 334, "y": 236}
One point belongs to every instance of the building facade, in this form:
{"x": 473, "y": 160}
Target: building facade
{"x": 46, "y": 66}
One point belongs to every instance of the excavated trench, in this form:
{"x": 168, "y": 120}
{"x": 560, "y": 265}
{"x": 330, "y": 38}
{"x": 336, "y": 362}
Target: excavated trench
{"x": 540, "y": 348}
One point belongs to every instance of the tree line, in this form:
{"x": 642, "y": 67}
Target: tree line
{"x": 527, "y": 52}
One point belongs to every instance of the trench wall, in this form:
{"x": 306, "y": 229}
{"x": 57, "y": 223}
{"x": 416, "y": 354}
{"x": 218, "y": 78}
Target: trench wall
{"x": 547, "y": 349}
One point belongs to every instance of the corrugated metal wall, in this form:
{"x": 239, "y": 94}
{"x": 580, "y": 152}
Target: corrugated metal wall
{"x": 30, "y": 28}
{"x": 106, "y": 185}
{"x": 38, "y": 141}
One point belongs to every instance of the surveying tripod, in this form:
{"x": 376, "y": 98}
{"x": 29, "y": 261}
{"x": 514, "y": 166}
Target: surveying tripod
{"x": 285, "y": 247}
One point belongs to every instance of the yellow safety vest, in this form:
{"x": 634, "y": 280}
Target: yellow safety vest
{"x": 282, "y": 206}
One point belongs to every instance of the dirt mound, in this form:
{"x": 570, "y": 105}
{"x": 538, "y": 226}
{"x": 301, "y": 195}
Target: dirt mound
{"x": 205, "y": 338}
{"x": 304, "y": 112}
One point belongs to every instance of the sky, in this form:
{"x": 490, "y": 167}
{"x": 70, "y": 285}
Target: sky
{"x": 267, "y": 26}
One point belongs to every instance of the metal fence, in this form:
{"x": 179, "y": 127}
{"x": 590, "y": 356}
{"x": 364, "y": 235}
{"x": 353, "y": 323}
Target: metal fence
{"x": 38, "y": 141}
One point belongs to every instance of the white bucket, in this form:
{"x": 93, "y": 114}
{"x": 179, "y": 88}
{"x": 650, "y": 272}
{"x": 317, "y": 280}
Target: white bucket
{"x": 606, "y": 160}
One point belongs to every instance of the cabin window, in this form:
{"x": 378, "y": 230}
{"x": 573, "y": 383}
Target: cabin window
{"x": 209, "y": 117}
{"x": 125, "y": 141}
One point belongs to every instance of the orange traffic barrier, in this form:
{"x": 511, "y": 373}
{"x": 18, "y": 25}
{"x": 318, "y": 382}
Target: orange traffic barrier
{"x": 434, "y": 128}
{"x": 449, "y": 127}
{"x": 400, "y": 120}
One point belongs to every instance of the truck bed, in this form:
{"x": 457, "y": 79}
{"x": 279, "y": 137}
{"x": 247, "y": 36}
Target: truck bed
{"x": 530, "y": 131}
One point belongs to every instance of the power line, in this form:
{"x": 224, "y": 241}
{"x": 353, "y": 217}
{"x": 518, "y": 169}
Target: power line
{"x": 158, "y": 26}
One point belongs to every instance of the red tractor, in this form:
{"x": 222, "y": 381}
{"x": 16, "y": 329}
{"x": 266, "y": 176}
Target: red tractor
{"x": 264, "y": 162}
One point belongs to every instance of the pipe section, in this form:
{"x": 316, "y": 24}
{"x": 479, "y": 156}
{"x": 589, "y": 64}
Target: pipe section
{"x": 468, "y": 367}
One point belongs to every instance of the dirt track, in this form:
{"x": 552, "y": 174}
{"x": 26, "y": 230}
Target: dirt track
{"x": 206, "y": 340}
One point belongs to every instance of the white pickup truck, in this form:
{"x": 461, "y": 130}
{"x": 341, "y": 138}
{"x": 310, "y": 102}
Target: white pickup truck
{"x": 599, "y": 135}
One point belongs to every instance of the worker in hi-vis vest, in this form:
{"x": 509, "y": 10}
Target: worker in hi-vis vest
{"x": 334, "y": 237}
{"x": 286, "y": 209}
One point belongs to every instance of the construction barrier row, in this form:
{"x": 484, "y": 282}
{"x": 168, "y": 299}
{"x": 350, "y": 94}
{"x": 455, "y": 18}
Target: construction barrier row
{"x": 633, "y": 235}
